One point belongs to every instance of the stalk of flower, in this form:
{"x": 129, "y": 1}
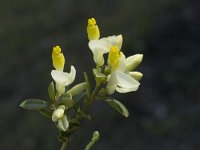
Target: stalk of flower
{"x": 62, "y": 79}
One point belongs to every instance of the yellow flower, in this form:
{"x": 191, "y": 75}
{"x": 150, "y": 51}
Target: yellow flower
{"x": 58, "y": 58}
{"x": 93, "y": 30}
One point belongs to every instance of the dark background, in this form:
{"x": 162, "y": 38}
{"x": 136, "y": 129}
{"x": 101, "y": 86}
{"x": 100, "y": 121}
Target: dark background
{"x": 164, "y": 113}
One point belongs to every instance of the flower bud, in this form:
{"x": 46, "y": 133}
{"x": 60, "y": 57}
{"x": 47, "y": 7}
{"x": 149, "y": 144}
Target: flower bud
{"x": 58, "y": 113}
{"x": 133, "y": 61}
{"x": 95, "y": 136}
{"x": 93, "y": 30}
{"x": 136, "y": 75}
{"x": 63, "y": 123}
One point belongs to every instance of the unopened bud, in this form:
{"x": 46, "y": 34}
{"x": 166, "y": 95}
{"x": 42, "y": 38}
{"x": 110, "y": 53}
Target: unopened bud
{"x": 63, "y": 123}
{"x": 95, "y": 136}
{"x": 136, "y": 75}
{"x": 58, "y": 113}
{"x": 133, "y": 61}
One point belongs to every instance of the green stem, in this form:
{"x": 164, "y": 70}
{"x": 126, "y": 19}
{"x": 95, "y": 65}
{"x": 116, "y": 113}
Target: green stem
{"x": 94, "y": 139}
{"x": 96, "y": 90}
{"x": 64, "y": 145}
{"x": 89, "y": 146}
{"x": 88, "y": 85}
{"x": 92, "y": 98}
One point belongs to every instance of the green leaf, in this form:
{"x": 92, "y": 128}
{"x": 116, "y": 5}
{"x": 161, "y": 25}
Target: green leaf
{"x": 51, "y": 91}
{"x": 66, "y": 100}
{"x": 68, "y": 95}
{"x": 34, "y": 104}
{"x": 47, "y": 112}
{"x": 77, "y": 88}
{"x": 117, "y": 105}
{"x": 74, "y": 123}
{"x": 78, "y": 97}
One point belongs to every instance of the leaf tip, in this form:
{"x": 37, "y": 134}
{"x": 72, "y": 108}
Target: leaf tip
{"x": 22, "y": 104}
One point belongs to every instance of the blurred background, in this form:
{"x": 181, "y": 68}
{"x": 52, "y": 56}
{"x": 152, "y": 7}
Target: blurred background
{"x": 164, "y": 112}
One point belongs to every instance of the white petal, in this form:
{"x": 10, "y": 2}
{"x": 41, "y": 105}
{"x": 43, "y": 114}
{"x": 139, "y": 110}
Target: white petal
{"x": 116, "y": 40}
{"x": 72, "y": 76}
{"x": 59, "y": 76}
{"x": 98, "y": 48}
{"x": 125, "y": 83}
{"x": 101, "y": 45}
{"x": 122, "y": 64}
{"x": 57, "y": 114}
{"x": 64, "y": 78}
{"x": 63, "y": 123}
{"x": 133, "y": 61}
{"x": 98, "y": 57}
{"x": 112, "y": 84}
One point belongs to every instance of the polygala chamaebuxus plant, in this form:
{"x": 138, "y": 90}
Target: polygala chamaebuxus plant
{"x": 68, "y": 106}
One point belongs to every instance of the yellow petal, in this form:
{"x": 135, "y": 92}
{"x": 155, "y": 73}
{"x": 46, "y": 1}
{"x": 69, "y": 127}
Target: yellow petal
{"x": 58, "y": 58}
{"x": 93, "y": 30}
{"x": 114, "y": 57}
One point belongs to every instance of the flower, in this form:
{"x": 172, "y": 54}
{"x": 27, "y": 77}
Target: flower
{"x": 102, "y": 46}
{"x": 61, "y": 78}
{"x": 93, "y": 30}
{"x": 121, "y": 78}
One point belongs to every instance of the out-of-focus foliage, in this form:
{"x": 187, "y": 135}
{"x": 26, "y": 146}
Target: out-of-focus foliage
{"x": 164, "y": 113}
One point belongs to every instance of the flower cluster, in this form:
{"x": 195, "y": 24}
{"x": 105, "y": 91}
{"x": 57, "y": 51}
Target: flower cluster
{"x": 118, "y": 70}
{"x": 68, "y": 104}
